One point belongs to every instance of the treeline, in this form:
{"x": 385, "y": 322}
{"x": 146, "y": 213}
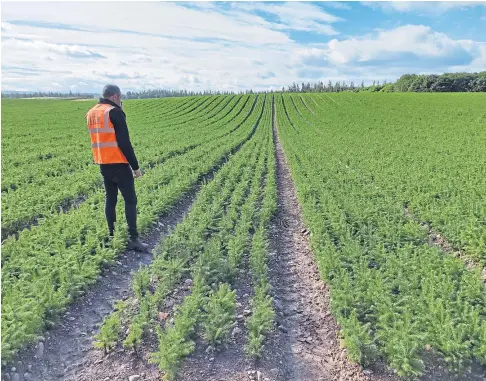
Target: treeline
{"x": 50, "y": 94}
{"x": 449, "y": 82}
{"x": 163, "y": 93}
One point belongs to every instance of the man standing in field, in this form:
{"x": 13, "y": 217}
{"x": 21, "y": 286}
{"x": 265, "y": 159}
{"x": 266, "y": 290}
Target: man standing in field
{"x": 113, "y": 151}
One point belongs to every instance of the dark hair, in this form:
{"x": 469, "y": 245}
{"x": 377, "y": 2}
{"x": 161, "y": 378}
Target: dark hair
{"x": 110, "y": 90}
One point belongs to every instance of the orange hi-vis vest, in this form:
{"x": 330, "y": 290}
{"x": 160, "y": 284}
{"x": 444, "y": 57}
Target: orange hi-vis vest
{"x": 103, "y": 138}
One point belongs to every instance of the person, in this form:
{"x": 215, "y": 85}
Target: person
{"x": 113, "y": 151}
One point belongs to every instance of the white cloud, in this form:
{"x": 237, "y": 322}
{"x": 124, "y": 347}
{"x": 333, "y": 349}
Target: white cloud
{"x": 296, "y": 16}
{"x": 336, "y": 5}
{"x": 388, "y": 54}
{"x": 74, "y": 51}
{"x": 193, "y": 54}
{"x": 429, "y": 7}
{"x": 418, "y": 40}
{"x": 186, "y": 46}
{"x": 6, "y": 26}
{"x": 144, "y": 17}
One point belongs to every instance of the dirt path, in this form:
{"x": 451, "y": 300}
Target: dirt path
{"x": 303, "y": 345}
{"x": 63, "y": 349}
{"x": 306, "y": 345}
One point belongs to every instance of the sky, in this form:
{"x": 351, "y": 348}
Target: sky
{"x": 233, "y": 46}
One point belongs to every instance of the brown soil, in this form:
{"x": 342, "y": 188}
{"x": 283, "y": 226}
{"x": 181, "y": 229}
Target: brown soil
{"x": 305, "y": 346}
{"x": 67, "y": 349}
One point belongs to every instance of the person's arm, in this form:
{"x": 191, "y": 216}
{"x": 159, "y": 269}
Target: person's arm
{"x": 123, "y": 138}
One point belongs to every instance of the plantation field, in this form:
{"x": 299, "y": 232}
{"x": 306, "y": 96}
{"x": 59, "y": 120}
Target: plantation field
{"x": 369, "y": 172}
{"x": 391, "y": 188}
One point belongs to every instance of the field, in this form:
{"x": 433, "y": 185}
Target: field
{"x": 333, "y": 236}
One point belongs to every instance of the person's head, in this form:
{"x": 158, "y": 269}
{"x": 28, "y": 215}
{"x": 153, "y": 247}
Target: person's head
{"x": 113, "y": 93}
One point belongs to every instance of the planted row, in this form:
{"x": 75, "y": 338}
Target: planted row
{"x": 44, "y": 196}
{"x": 46, "y": 267}
{"x": 394, "y": 296}
{"x": 222, "y": 234}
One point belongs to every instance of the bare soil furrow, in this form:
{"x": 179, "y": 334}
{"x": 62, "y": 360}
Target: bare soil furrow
{"x": 306, "y": 344}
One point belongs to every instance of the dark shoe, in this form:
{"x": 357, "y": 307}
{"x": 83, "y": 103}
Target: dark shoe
{"x": 137, "y": 246}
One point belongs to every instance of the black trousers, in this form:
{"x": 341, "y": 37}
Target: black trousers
{"x": 120, "y": 177}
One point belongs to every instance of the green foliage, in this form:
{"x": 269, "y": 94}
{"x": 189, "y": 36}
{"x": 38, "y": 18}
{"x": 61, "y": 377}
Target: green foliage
{"x": 141, "y": 282}
{"x": 134, "y": 337}
{"x": 209, "y": 243}
{"x": 175, "y": 343}
{"x": 179, "y": 152}
{"x": 448, "y": 82}
{"x": 220, "y": 307}
{"x": 109, "y": 333}
{"x": 358, "y": 341}
{"x": 387, "y": 199}
{"x": 260, "y": 322}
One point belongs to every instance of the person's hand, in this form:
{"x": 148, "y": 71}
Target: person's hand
{"x": 137, "y": 173}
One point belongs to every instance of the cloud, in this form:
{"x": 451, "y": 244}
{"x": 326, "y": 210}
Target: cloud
{"x": 297, "y": 16}
{"x": 410, "y": 45}
{"x": 200, "y": 4}
{"x": 314, "y": 57}
{"x": 6, "y": 26}
{"x": 429, "y": 7}
{"x": 74, "y": 51}
{"x": 267, "y": 75}
{"x": 337, "y": 5}
{"x": 387, "y": 54}
{"x": 120, "y": 75}
{"x": 200, "y": 46}
{"x": 310, "y": 73}
{"x": 29, "y": 70}
{"x": 166, "y": 18}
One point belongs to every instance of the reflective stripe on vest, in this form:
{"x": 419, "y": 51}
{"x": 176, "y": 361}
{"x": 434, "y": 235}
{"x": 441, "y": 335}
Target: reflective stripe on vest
{"x": 106, "y": 130}
{"x": 104, "y": 145}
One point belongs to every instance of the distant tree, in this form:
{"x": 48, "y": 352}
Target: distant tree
{"x": 479, "y": 84}
{"x": 443, "y": 84}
